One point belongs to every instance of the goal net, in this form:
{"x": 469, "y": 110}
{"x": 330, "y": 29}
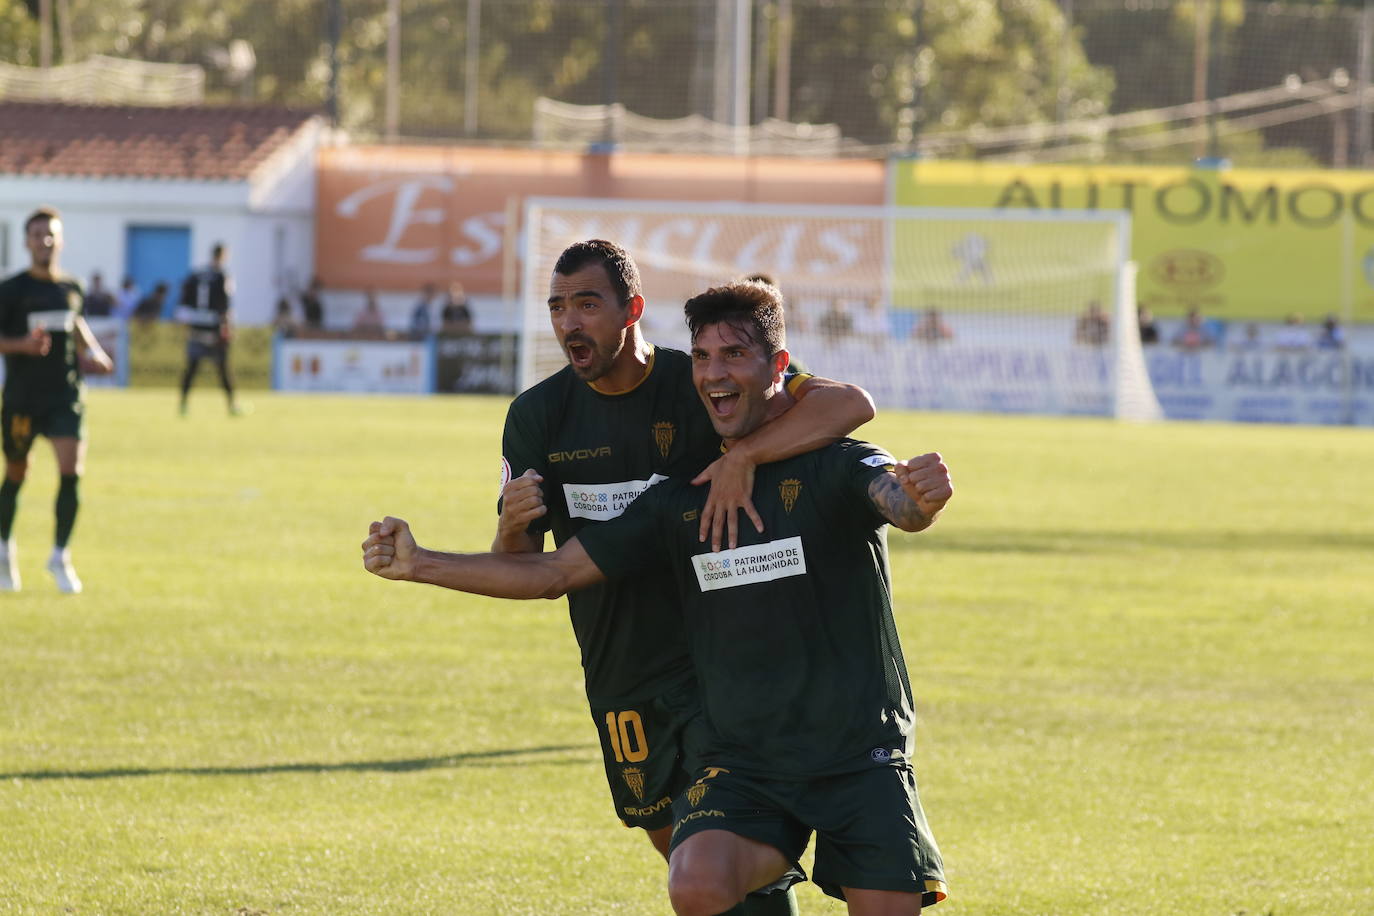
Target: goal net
{"x": 950, "y": 309}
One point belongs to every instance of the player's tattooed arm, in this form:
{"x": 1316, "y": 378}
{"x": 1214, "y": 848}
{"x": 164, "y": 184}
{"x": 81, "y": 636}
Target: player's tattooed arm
{"x": 913, "y": 495}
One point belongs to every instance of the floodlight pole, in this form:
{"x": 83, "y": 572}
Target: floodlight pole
{"x": 610, "y": 72}
{"x": 334, "y": 27}
{"x": 472, "y": 68}
{"x": 1362, "y": 80}
{"x": 45, "y": 33}
{"x": 739, "y": 102}
{"x": 782, "y": 79}
{"x": 393, "y": 69}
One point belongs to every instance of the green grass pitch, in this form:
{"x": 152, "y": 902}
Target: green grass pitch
{"x": 1142, "y": 657}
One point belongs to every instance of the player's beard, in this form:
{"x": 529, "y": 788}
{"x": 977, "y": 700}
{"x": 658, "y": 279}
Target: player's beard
{"x": 601, "y": 358}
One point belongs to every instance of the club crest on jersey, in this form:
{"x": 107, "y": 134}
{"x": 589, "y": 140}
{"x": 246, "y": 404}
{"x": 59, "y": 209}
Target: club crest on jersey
{"x": 789, "y": 490}
{"x": 634, "y": 778}
{"x": 663, "y": 437}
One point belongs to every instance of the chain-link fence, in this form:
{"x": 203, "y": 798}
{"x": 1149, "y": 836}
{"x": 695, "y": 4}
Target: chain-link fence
{"x": 1074, "y": 80}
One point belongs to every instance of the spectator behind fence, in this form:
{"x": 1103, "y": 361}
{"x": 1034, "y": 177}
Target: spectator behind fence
{"x": 1193, "y": 335}
{"x": 127, "y": 300}
{"x": 149, "y": 308}
{"x": 1332, "y": 335}
{"x": 369, "y": 322}
{"x": 932, "y": 328}
{"x": 312, "y": 305}
{"x": 1293, "y": 337}
{"x": 1092, "y": 327}
{"x": 100, "y": 302}
{"x": 420, "y": 320}
{"x": 871, "y": 322}
{"x": 456, "y": 315}
{"x": 1149, "y": 331}
{"x": 836, "y": 322}
{"x": 1251, "y": 342}
{"x": 283, "y": 322}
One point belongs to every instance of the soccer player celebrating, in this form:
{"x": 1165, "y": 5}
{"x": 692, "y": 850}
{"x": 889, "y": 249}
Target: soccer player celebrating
{"x": 47, "y": 346}
{"x": 807, "y": 704}
{"x": 589, "y": 439}
{"x": 205, "y": 310}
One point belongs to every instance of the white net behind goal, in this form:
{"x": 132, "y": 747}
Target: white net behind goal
{"x": 945, "y": 309}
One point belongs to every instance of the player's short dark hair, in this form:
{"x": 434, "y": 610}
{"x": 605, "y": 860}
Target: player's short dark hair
{"x": 216, "y": 250}
{"x": 48, "y": 213}
{"x": 751, "y": 307}
{"x": 620, "y": 267}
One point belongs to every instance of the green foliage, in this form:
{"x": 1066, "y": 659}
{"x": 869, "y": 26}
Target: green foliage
{"x": 994, "y": 64}
{"x": 18, "y": 34}
{"x": 1140, "y": 655}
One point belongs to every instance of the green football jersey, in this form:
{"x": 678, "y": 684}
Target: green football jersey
{"x": 37, "y": 383}
{"x": 792, "y": 636}
{"x": 597, "y": 453}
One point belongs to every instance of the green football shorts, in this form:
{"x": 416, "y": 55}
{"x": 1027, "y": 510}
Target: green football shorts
{"x": 649, "y": 749}
{"x": 870, "y": 830}
{"x": 20, "y": 426}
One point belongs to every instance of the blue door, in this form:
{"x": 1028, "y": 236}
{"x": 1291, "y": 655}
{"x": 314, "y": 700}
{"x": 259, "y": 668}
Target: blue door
{"x": 159, "y": 254}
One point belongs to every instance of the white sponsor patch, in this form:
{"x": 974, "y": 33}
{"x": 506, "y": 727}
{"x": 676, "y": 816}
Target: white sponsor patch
{"x": 201, "y": 318}
{"x": 602, "y": 501}
{"x": 505, "y": 472}
{"x": 53, "y": 320}
{"x": 743, "y": 565}
{"x": 879, "y": 461}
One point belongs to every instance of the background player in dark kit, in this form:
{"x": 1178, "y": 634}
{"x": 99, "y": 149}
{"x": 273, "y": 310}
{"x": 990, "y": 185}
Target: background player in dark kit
{"x": 205, "y": 304}
{"x": 47, "y": 346}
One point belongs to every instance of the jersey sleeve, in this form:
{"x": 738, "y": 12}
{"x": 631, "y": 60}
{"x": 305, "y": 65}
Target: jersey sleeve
{"x": 632, "y": 542}
{"x": 521, "y": 450}
{"x": 859, "y": 464}
{"x": 7, "y": 299}
{"x": 793, "y": 380}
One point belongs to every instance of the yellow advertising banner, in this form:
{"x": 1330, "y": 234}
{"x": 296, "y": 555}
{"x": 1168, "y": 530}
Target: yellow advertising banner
{"x": 157, "y": 357}
{"x": 1234, "y": 243}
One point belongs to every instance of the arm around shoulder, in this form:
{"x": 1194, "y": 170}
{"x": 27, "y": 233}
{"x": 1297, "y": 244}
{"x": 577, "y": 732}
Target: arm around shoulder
{"x": 825, "y": 411}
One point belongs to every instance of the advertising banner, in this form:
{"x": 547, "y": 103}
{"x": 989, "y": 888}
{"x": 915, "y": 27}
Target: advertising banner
{"x": 1316, "y": 387}
{"x": 1233, "y": 243}
{"x": 1030, "y": 375}
{"x": 475, "y": 364}
{"x": 379, "y": 367}
{"x": 157, "y": 356}
{"x": 394, "y": 218}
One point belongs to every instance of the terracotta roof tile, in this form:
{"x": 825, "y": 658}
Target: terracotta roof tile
{"x": 207, "y": 143}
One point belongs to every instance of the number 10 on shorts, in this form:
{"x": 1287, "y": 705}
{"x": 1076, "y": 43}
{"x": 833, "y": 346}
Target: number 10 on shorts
{"x": 626, "y": 731}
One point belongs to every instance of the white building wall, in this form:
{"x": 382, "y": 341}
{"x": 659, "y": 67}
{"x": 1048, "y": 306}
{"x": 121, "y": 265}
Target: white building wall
{"x": 267, "y": 223}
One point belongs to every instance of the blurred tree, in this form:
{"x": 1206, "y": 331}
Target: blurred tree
{"x": 990, "y": 64}
{"x": 18, "y": 34}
